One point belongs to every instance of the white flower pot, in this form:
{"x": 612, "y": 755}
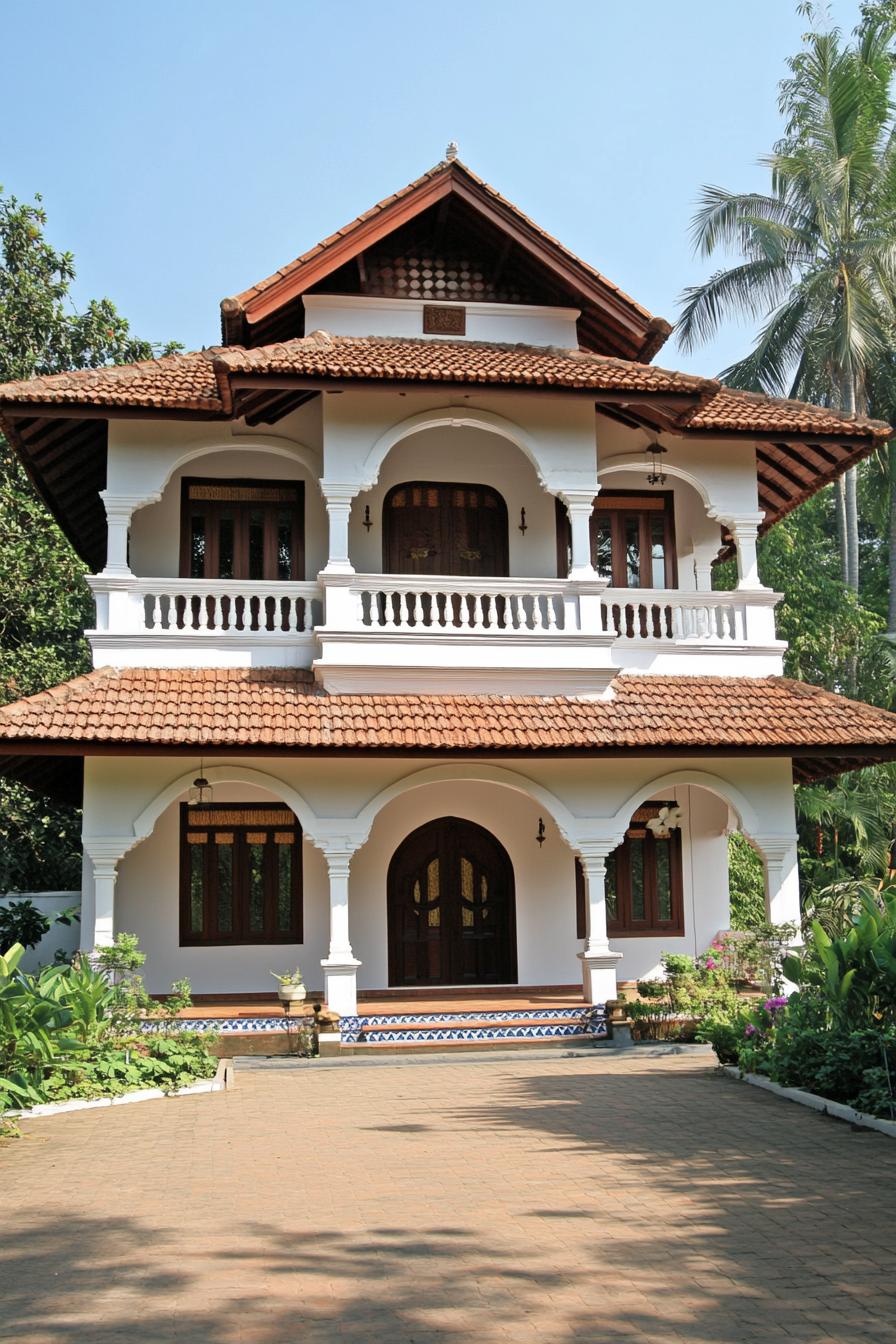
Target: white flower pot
{"x": 291, "y": 993}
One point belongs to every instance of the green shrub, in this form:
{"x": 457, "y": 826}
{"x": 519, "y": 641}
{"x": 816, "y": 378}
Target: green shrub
{"x": 77, "y": 1031}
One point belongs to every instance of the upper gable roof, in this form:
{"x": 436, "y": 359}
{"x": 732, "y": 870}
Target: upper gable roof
{"x": 451, "y": 201}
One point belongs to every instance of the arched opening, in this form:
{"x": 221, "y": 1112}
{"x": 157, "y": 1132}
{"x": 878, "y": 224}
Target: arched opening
{"x": 439, "y": 527}
{"x": 451, "y": 907}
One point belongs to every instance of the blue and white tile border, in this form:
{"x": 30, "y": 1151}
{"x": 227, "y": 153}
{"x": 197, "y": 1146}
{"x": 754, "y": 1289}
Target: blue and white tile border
{"x": 532, "y": 1025}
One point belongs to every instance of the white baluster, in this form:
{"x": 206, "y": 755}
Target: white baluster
{"x": 550, "y": 611}
{"x": 155, "y": 620}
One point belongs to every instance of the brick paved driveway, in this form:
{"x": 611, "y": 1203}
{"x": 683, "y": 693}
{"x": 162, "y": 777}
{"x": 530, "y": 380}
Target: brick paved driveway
{"x": 602, "y": 1200}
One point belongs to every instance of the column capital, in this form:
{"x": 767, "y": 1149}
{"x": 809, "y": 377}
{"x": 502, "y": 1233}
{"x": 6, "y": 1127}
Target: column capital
{"x": 776, "y": 848}
{"x": 341, "y": 493}
{"x": 578, "y": 499}
{"x": 739, "y": 522}
{"x": 106, "y": 851}
{"x": 120, "y": 508}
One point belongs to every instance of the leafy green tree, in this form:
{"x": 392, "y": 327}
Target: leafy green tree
{"x": 44, "y": 602}
{"x": 819, "y": 248}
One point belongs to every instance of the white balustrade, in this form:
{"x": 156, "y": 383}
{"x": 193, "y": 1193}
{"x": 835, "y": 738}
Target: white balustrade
{"x": 484, "y": 607}
{"x": 206, "y": 608}
{"x": 658, "y": 614}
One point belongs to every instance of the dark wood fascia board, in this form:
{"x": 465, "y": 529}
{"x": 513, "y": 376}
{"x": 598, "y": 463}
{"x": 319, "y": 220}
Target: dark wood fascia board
{"x": 299, "y": 383}
{"x": 642, "y": 329}
{"x": 360, "y": 237}
{"x": 52, "y": 410}
{"x": 63, "y": 519}
{"x": 65, "y": 747}
{"x": 571, "y": 271}
{"x": 791, "y": 436}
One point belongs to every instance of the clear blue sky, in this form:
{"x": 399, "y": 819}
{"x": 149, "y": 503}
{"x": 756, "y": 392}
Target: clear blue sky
{"x": 186, "y": 148}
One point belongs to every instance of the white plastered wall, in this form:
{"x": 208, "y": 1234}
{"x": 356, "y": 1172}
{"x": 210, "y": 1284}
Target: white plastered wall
{"x": 464, "y": 455}
{"x": 595, "y": 798}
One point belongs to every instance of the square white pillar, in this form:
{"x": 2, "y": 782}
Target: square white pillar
{"x": 340, "y": 966}
{"x": 598, "y": 961}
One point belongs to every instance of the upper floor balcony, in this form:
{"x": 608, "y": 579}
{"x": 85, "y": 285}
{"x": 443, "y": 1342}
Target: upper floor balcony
{"x": 483, "y": 582}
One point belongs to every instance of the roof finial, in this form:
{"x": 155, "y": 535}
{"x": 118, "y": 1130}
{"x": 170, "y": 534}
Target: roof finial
{"x": 451, "y": 151}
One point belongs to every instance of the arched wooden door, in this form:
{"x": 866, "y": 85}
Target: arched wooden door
{"x": 451, "y": 907}
{"x": 434, "y": 527}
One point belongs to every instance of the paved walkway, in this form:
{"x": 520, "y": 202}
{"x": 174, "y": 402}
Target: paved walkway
{"x": 555, "y": 1200}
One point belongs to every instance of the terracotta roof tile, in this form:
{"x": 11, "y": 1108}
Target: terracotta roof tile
{"x": 199, "y": 382}
{"x": 751, "y": 412}
{"x": 252, "y": 708}
{"x": 321, "y": 355}
{"x": 174, "y": 382}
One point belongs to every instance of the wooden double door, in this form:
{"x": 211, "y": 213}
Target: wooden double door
{"x": 434, "y": 527}
{"x": 451, "y": 908}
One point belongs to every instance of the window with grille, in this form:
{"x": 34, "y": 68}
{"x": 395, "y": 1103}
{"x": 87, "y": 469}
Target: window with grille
{"x": 240, "y": 874}
{"x": 242, "y": 530}
{"x": 643, "y": 882}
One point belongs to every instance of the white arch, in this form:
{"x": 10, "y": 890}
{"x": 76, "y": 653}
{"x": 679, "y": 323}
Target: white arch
{"x": 636, "y": 462}
{"x": 746, "y": 814}
{"x": 268, "y": 443}
{"x": 226, "y": 774}
{"x": 489, "y": 774}
{"x": 459, "y": 417}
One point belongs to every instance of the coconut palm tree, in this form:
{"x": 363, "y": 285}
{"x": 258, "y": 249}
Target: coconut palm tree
{"x": 819, "y": 249}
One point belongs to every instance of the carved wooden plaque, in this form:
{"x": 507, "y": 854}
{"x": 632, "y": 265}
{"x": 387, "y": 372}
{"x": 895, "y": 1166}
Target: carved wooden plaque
{"x": 440, "y": 320}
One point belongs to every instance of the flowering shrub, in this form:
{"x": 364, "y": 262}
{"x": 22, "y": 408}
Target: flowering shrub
{"x": 837, "y": 1035}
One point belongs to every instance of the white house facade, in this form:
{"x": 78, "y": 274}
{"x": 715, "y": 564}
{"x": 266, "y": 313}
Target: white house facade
{"x": 411, "y": 659}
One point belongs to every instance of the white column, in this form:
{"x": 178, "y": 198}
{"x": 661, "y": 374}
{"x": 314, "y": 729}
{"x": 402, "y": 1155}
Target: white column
{"x": 598, "y": 962}
{"x": 119, "y": 511}
{"x": 338, "y": 499}
{"x": 98, "y": 907}
{"x": 782, "y": 879}
{"x": 579, "y": 506}
{"x": 340, "y": 966}
{"x": 744, "y": 529}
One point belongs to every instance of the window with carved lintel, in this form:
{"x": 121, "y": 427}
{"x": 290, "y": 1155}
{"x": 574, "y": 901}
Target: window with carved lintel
{"x": 240, "y": 874}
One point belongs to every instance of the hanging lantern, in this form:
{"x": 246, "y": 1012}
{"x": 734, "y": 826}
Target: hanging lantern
{"x": 201, "y": 790}
{"x": 655, "y": 476}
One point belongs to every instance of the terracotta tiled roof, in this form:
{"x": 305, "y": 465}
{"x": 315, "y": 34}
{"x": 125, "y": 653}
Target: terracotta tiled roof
{"x": 174, "y": 382}
{"x": 321, "y": 355}
{"x": 199, "y": 382}
{"x": 754, "y": 413}
{"x": 440, "y": 169}
{"x": 257, "y": 708}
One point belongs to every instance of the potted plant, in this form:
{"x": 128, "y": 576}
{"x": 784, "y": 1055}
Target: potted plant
{"x": 290, "y": 987}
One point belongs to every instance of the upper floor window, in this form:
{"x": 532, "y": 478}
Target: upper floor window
{"x": 242, "y": 530}
{"x": 240, "y": 874}
{"x": 632, "y": 539}
{"x": 643, "y": 882}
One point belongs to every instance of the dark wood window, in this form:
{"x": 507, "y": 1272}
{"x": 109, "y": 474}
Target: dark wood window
{"x": 240, "y": 874}
{"x": 644, "y": 883}
{"x": 632, "y": 539}
{"x": 435, "y": 527}
{"x": 242, "y": 530}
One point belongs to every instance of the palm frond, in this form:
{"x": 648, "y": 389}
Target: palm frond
{"x": 750, "y": 289}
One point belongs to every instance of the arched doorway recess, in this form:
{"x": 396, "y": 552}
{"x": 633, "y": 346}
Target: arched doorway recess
{"x": 438, "y": 527}
{"x": 451, "y": 907}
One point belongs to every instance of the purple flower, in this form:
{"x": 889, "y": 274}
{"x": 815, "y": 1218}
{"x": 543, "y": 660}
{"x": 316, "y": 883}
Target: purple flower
{"x": 750, "y": 1030}
{"x": 774, "y": 1005}
{"x": 710, "y": 964}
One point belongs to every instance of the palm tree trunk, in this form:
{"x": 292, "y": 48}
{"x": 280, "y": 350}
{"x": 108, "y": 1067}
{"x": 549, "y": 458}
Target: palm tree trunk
{"x": 851, "y": 509}
{"x": 841, "y": 528}
{"x": 852, "y": 531}
{"x": 891, "y": 614}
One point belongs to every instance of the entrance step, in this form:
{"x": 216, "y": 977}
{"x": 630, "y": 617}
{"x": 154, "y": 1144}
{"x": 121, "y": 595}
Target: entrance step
{"x": 586, "y": 1022}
